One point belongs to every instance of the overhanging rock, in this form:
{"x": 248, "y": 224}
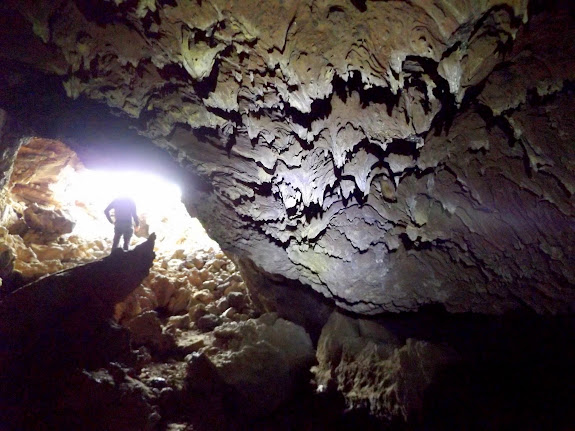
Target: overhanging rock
{"x": 71, "y": 305}
{"x": 389, "y": 156}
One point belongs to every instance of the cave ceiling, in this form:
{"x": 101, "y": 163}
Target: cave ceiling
{"x": 387, "y": 154}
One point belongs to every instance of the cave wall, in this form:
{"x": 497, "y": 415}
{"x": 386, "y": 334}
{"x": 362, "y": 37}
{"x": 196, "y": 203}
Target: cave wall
{"x": 387, "y": 154}
{"x": 9, "y": 138}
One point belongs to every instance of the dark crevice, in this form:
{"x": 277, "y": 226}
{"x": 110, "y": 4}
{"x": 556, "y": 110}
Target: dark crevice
{"x": 263, "y": 189}
{"x": 504, "y": 47}
{"x": 232, "y": 116}
{"x": 491, "y": 25}
{"x": 105, "y": 13}
{"x": 403, "y": 147}
{"x": 497, "y": 121}
{"x": 292, "y": 211}
{"x": 416, "y": 244}
{"x": 491, "y": 120}
{"x": 206, "y": 134}
{"x": 444, "y": 118}
{"x": 320, "y": 109}
{"x": 359, "y": 197}
{"x": 305, "y": 145}
{"x": 427, "y": 66}
{"x": 312, "y": 211}
{"x": 204, "y": 36}
{"x": 526, "y": 162}
{"x": 471, "y": 95}
{"x": 230, "y": 143}
{"x": 151, "y": 18}
{"x": 174, "y": 72}
{"x": 360, "y": 5}
{"x": 207, "y": 85}
{"x": 451, "y": 50}
{"x": 367, "y": 96}
{"x": 334, "y": 9}
{"x": 415, "y": 81}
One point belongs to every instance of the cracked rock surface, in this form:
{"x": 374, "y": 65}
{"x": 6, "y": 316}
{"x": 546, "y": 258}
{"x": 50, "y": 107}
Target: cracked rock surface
{"x": 387, "y": 154}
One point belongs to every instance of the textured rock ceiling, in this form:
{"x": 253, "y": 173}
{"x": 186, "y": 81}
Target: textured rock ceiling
{"x": 388, "y": 154}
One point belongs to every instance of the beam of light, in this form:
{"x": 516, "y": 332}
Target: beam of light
{"x": 85, "y": 194}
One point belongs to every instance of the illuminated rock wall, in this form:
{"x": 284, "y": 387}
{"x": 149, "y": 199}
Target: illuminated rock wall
{"x": 36, "y": 228}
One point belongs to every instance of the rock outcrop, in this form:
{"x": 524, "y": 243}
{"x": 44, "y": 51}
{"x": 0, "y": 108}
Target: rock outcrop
{"x": 376, "y": 370}
{"x": 261, "y": 361}
{"x": 39, "y": 165}
{"x": 386, "y": 154}
{"x": 437, "y": 371}
{"x": 60, "y": 324}
{"x": 93, "y": 288}
{"x": 37, "y": 228}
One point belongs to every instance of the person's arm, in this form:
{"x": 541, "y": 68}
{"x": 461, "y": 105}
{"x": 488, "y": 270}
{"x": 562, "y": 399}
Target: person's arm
{"x": 107, "y": 212}
{"x": 135, "y": 215}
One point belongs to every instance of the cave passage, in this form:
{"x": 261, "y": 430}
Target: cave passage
{"x": 85, "y": 193}
{"x": 389, "y": 190}
{"x": 54, "y": 214}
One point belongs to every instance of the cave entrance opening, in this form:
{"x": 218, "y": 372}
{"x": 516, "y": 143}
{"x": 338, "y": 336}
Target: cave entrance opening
{"x": 85, "y": 194}
{"x": 52, "y": 211}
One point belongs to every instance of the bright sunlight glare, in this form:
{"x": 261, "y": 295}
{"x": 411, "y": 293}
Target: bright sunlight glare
{"x": 85, "y": 194}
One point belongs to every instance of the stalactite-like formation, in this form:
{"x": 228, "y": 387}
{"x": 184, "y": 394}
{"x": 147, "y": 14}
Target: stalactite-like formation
{"x": 389, "y": 157}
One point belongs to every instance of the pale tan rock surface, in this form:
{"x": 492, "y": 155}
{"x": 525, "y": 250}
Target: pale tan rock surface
{"x": 35, "y": 225}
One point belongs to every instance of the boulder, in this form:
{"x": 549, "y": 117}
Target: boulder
{"x": 375, "y": 370}
{"x": 236, "y": 300}
{"x": 53, "y": 222}
{"x": 146, "y": 330}
{"x": 208, "y": 322}
{"x": 261, "y": 362}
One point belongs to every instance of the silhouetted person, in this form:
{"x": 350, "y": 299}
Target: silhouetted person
{"x": 124, "y": 211}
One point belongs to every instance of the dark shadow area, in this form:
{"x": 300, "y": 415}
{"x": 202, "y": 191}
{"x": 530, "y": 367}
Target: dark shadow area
{"x": 515, "y": 371}
{"x": 320, "y": 109}
{"x": 360, "y": 5}
{"x": 367, "y": 96}
{"x": 58, "y": 329}
{"x": 101, "y": 140}
{"x": 536, "y": 7}
{"x": 291, "y": 299}
{"x": 527, "y": 393}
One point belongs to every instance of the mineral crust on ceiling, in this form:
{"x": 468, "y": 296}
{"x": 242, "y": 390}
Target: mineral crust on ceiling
{"x": 387, "y": 154}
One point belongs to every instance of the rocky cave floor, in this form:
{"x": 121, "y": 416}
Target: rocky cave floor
{"x": 187, "y": 350}
{"x": 157, "y": 358}
{"x": 152, "y": 365}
